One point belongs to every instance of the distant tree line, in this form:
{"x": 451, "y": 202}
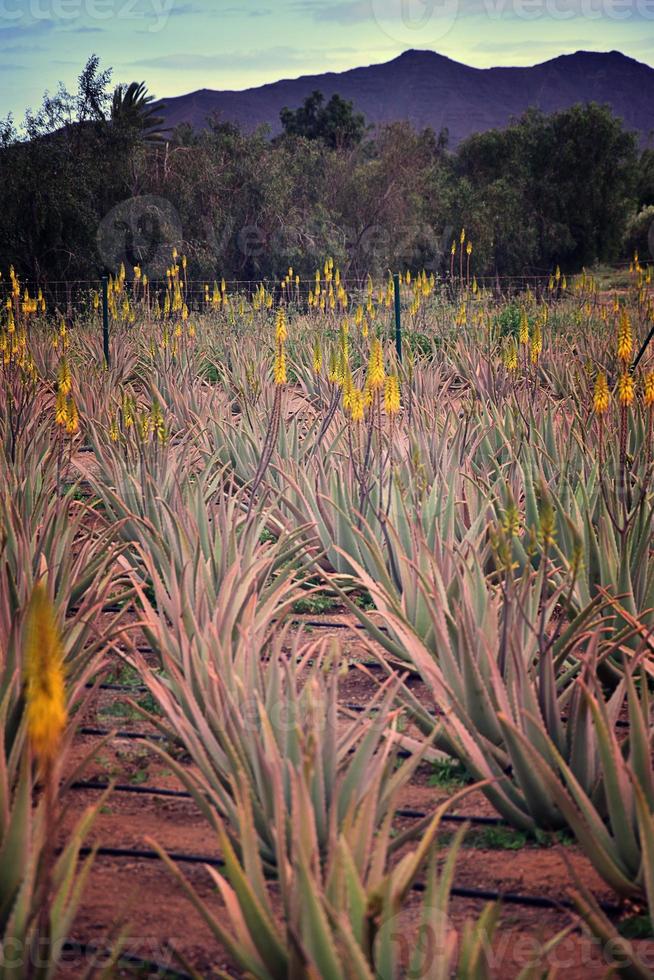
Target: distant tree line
{"x": 571, "y": 189}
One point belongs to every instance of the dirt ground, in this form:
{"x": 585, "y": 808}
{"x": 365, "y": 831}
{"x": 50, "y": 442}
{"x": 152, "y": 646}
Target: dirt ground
{"x": 139, "y": 898}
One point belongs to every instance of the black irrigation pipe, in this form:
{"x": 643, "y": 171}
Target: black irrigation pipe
{"x": 479, "y": 894}
{"x": 147, "y": 854}
{"x": 179, "y": 794}
{"x": 99, "y": 784}
{"x": 119, "y": 688}
{"x": 511, "y": 898}
{"x": 130, "y": 959}
{"x": 148, "y": 737}
{"x": 103, "y": 732}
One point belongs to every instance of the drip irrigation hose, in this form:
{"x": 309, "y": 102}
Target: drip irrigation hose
{"x": 478, "y": 894}
{"x": 142, "y": 689}
{"x": 406, "y": 813}
{"x": 148, "y": 737}
{"x": 103, "y": 732}
{"x": 129, "y": 959}
{"x": 147, "y": 854}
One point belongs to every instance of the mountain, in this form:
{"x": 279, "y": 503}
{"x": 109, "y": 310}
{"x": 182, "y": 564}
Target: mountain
{"x": 430, "y": 90}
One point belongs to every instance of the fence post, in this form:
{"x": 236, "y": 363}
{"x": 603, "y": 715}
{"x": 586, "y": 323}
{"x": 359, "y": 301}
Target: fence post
{"x": 105, "y": 320}
{"x": 398, "y": 317}
{"x": 647, "y": 342}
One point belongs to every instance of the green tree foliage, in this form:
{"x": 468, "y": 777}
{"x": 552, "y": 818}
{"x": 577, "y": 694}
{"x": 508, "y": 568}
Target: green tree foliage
{"x": 552, "y": 189}
{"x": 336, "y": 123}
{"x": 547, "y": 190}
{"x": 646, "y": 178}
{"x": 131, "y": 108}
{"x": 72, "y": 160}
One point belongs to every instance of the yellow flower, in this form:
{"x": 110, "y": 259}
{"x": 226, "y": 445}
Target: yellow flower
{"x": 44, "y": 668}
{"x": 65, "y": 382}
{"x": 281, "y": 333}
{"x": 626, "y": 388}
{"x": 523, "y": 335}
{"x": 348, "y": 384}
{"x": 280, "y": 366}
{"x": 72, "y": 417}
{"x": 601, "y": 395}
{"x": 511, "y": 357}
{"x": 392, "y": 395}
{"x": 61, "y": 408}
{"x": 317, "y": 358}
{"x": 376, "y": 372}
{"x": 356, "y": 405}
{"x": 157, "y": 423}
{"x": 648, "y": 394}
{"x": 536, "y": 344}
{"x": 625, "y": 338}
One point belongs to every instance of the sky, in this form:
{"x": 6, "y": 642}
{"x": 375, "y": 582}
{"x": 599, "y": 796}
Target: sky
{"x": 177, "y": 46}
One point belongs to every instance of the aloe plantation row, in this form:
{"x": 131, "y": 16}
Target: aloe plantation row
{"x": 481, "y": 511}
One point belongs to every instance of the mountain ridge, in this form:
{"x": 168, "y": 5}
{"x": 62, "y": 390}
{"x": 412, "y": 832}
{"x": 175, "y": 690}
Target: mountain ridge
{"x": 429, "y": 89}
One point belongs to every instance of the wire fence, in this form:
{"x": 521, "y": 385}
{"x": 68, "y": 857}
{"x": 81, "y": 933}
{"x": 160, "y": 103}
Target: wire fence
{"x": 79, "y": 295}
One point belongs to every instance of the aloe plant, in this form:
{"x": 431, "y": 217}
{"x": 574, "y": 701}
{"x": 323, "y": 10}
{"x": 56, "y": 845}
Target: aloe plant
{"x": 41, "y": 891}
{"x": 617, "y": 833}
{"x": 340, "y": 918}
{"x": 256, "y": 721}
{"x": 34, "y": 923}
{"x": 484, "y": 668}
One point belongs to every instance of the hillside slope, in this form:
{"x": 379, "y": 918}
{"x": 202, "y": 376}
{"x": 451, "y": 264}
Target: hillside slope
{"x": 431, "y": 90}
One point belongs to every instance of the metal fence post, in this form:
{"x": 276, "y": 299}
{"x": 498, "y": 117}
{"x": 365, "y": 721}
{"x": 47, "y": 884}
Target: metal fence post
{"x": 105, "y": 320}
{"x": 398, "y": 317}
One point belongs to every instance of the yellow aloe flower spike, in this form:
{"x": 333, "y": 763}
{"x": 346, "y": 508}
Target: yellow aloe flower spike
{"x": 601, "y": 395}
{"x": 626, "y": 389}
{"x": 45, "y": 695}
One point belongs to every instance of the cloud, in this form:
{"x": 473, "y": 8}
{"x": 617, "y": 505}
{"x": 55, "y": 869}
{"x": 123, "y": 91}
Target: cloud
{"x": 255, "y": 60}
{"x": 517, "y": 47}
{"x": 25, "y": 48}
{"x": 240, "y": 12}
{"x": 20, "y": 32}
{"x": 347, "y": 12}
{"x": 83, "y": 29}
{"x": 186, "y": 10}
{"x": 416, "y": 12}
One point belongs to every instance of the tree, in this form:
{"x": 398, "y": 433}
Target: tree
{"x": 131, "y": 108}
{"x": 646, "y": 178}
{"x": 336, "y": 123}
{"x": 92, "y": 100}
{"x": 60, "y": 174}
{"x": 572, "y": 180}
